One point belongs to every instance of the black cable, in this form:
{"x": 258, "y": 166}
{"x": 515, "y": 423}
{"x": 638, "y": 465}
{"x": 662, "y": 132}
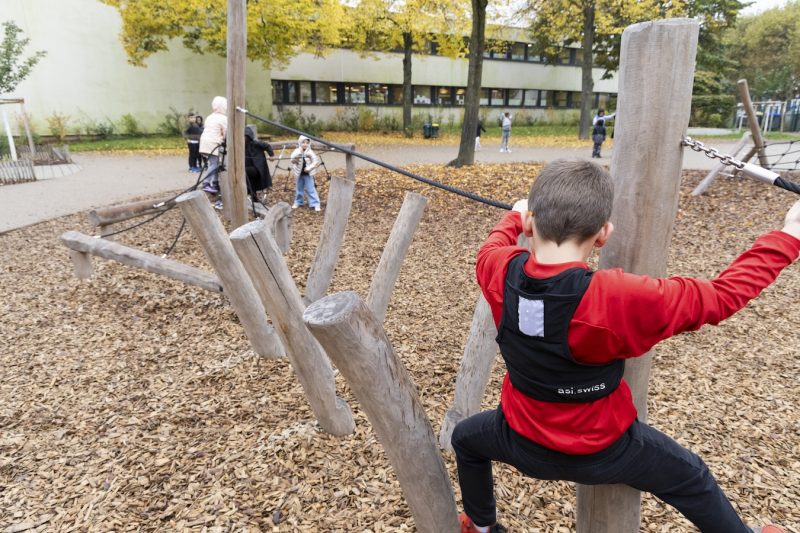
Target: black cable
{"x": 428, "y": 181}
{"x": 788, "y": 185}
{"x": 178, "y": 236}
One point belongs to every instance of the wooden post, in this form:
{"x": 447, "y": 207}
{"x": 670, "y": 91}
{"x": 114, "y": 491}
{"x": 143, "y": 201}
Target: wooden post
{"x": 235, "y": 198}
{"x": 656, "y": 66}
{"x": 752, "y": 121}
{"x": 357, "y": 343}
{"x": 476, "y": 366}
{"x": 380, "y": 291}
{"x": 474, "y": 371}
{"x": 279, "y": 221}
{"x": 239, "y": 289}
{"x": 27, "y": 124}
{"x": 264, "y": 263}
{"x": 83, "y": 245}
{"x": 82, "y": 264}
{"x": 719, "y": 167}
{"x": 340, "y": 200}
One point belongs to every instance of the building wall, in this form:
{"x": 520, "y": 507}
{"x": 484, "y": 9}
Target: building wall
{"x": 85, "y": 73}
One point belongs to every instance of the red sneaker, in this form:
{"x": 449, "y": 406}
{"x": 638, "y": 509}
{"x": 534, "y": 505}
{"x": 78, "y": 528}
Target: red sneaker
{"x": 769, "y": 529}
{"x": 467, "y": 526}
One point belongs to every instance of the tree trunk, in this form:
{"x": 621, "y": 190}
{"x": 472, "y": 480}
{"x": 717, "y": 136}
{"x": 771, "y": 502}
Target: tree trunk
{"x": 466, "y": 150}
{"x": 408, "y": 96}
{"x": 587, "y": 82}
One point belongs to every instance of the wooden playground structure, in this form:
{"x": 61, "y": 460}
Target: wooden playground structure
{"x": 314, "y": 329}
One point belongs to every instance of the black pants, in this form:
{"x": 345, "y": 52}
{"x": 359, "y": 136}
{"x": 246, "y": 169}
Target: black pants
{"x": 194, "y": 155}
{"x": 642, "y": 458}
{"x": 596, "y": 149}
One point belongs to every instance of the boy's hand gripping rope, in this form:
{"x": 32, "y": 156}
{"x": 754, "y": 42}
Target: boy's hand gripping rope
{"x": 752, "y": 171}
{"x": 339, "y": 148}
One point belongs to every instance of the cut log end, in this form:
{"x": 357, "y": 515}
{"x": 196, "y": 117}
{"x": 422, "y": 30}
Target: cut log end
{"x": 331, "y": 309}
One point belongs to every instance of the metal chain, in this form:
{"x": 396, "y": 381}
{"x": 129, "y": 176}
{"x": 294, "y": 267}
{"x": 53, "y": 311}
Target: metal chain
{"x": 712, "y": 153}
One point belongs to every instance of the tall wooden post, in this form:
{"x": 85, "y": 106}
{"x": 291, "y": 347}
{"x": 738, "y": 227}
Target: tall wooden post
{"x": 655, "y": 87}
{"x": 752, "y": 121}
{"x": 236, "y": 206}
{"x": 27, "y": 124}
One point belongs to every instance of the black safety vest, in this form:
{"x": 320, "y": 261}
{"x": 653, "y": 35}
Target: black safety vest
{"x": 534, "y": 347}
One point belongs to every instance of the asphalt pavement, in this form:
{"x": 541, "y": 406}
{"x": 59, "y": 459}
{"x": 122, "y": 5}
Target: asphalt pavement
{"x": 109, "y": 179}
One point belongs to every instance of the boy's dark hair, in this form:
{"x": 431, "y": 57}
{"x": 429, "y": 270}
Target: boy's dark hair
{"x": 571, "y": 199}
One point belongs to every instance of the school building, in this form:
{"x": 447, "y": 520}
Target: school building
{"x": 85, "y": 76}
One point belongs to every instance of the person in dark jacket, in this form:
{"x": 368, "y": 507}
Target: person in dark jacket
{"x": 598, "y": 136}
{"x": 192, "y": 135}
{"x": 255, "y": 163}
{"x": 478, "y": 131}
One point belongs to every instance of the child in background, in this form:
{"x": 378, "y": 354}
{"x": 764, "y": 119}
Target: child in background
{"x": 598, "y": 136}
{"x": 564, "y": 332}
{"x": 212, "y": 142}
{"x": 192, "y": 135}
{"x": 305, "y": 164}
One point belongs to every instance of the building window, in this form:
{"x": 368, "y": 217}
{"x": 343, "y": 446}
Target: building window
{"x": 565, "y": 57}
{"x": 461, "y": 95}
{"x": 543, "y": 99}
{"x": 444, "y": 96}
{"x": 575, "y": 100}
{"x": 496, "y": 96}
{"x": 304, "y": 88}
{"x": 578, "y": 55}
{"x": 484, "y": 99}
{"x": 277, "y": 92}
{"x": 290, "y": 92}
{"x": 532, "y": 56}
{"x": 325, "y": 92}
{"x": 422, "y": 94}
{"x": 515, "y": 97}
{"x": 531, "y": 98}
{"x": 518, "y": 51}
{"x": 355, "y": 93}
{"x": 560, "y": 98}
{"x": 378, "y": 93}
{"x": 395, "y": 94}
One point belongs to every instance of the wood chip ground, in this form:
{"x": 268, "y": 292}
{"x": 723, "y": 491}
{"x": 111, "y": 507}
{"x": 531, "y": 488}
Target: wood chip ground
{"x": 133, "y": 403}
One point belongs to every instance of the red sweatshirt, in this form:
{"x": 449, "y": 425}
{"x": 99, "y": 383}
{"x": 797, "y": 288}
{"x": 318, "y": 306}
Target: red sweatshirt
{"x": 621, "y": 315}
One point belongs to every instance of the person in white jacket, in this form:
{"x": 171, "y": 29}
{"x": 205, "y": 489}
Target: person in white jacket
{"x": 212, "y": 142}
{"x": 305, "y": 164}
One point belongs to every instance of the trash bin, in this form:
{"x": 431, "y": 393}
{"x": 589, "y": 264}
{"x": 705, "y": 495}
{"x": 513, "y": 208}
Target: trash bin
{"x": 434, "y": 130}
{"x": 426, "y": 131}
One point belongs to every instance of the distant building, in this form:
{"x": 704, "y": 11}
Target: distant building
{"x": 86, "y": 75}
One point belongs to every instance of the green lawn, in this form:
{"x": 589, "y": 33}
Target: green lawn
{"x": 165, "y": 143}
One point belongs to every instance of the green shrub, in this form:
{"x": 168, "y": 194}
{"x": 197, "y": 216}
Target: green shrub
{"x": 294, "y": 118}
{"x": 99, "y": 128}
{"x": 712, "y": 110}
{"x": 57, "y": 125}
{"x": 173, "y": 123}
{"x": 128, "y": 125}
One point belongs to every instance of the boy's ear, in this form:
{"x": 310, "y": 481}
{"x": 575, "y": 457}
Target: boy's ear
{"x": 603, "y": 235}
{"x": 527, "y": 223}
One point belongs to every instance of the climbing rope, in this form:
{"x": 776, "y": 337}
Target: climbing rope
{"x": 750, "y": 170}
{"x": 338, "y": 148}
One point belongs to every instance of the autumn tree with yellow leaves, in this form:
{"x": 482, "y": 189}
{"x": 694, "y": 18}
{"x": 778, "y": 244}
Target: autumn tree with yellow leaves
{"x": 276, "y": 30}
{"x": 413, "y": 26}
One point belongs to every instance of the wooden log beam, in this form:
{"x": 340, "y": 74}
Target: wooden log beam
{"x": 84, "y": 244}
{"x": 340, "y": 200}
{"x": 475, "y": 369}
{"x": 752, "y": 122}
{"x": 358, "y": 344}
{"x": 380, "y": 291}
{"x": 273, "y": 282}
{"x": 82, "y": 264}
{"x": 239, "y": 289}
{"x": 234, "y": 190}
{"x": 105, "y": 216}
{"x": 279, "y": 221}
{"x": 656, "y": 66}
{"x": 719, "y": 167}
